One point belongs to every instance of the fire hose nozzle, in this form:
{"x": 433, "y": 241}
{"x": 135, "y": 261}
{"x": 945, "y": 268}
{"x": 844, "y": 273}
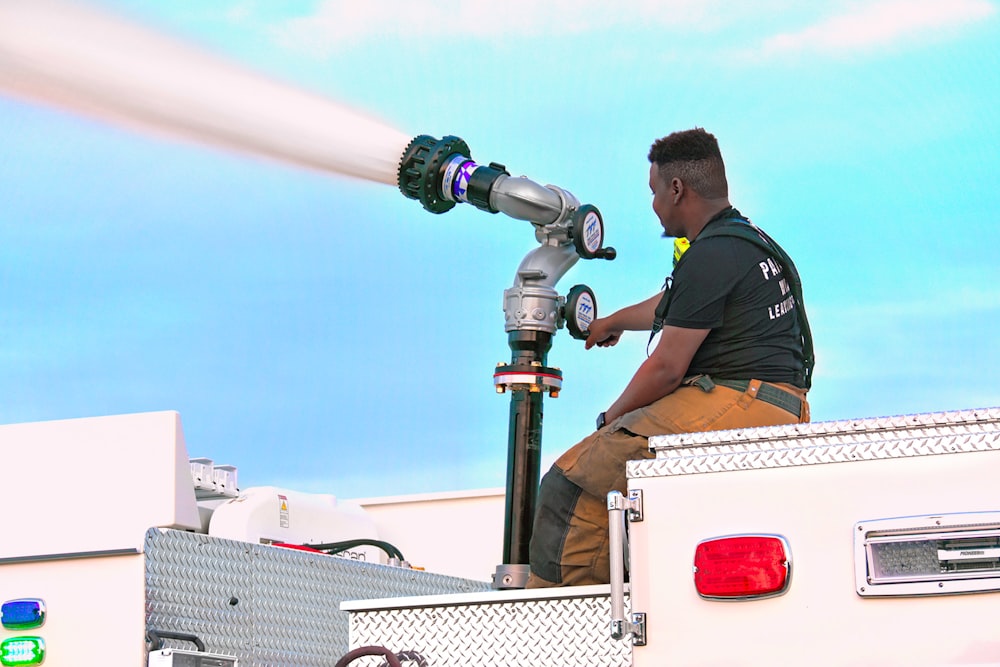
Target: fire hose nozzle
{"x": 420, "y": 169}
{"x": 439, "y": 173}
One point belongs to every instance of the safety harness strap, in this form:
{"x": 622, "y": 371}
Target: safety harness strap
{"x": 742, "y": 228}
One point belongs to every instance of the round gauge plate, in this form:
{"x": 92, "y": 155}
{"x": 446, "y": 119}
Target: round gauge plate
{"x": 588, "y": 231}
{"x": 581, "y": 310}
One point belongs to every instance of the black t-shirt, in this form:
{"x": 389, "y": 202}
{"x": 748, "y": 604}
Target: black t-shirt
{"x": 737, "y": 290}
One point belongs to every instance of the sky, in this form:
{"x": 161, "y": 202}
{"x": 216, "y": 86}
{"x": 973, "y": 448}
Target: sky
{"x": 323, "y": 333}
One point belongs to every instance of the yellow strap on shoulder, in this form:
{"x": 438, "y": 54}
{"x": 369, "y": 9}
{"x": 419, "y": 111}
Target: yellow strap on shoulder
{"x": 681, "y": 244}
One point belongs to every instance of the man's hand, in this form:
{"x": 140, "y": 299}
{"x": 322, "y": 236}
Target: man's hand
{"x": 605, "y": 331}
{"x": 602, "y": 334}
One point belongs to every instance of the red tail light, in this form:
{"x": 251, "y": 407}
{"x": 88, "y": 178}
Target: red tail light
{"x": 742, "y": 566}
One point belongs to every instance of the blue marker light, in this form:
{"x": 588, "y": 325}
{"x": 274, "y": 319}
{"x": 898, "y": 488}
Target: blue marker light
{"x": 23, "y": 614}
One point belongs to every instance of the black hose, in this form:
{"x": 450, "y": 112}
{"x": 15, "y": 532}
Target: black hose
{"x": 337, "y": 547}
{"x": 351, "y": 656}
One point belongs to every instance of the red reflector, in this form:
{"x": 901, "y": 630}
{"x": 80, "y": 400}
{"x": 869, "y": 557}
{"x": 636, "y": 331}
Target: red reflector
{"x": 743, "y": 566}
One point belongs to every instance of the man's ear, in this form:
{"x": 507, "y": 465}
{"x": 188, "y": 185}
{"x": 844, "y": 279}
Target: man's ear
{"x": 676, "y": 189}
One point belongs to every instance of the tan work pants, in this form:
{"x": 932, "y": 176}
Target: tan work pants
{"x": 569, "y": 543}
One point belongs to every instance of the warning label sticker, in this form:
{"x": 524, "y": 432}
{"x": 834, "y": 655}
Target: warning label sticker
{"x": 283, "y": 511}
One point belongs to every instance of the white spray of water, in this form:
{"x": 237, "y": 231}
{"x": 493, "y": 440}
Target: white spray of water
{"x": 86, "y": 61}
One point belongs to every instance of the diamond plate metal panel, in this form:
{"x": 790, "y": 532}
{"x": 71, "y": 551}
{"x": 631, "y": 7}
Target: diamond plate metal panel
{"x": 563, "y": 632}
{"x": 822, "y": 442}
{"x": 267, "y": 605}
{"x": 959, "y": 419}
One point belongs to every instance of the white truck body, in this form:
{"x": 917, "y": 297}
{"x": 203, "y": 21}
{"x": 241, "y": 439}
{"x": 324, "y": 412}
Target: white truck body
{"x": 104, "y": 526}
{"x": 830, "y": 489}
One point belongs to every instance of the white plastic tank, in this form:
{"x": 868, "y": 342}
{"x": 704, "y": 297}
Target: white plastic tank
{"x": 268, "y": 514}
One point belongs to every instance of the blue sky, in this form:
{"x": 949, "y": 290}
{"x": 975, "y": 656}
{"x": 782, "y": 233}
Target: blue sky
{"x": 324, "y": 333}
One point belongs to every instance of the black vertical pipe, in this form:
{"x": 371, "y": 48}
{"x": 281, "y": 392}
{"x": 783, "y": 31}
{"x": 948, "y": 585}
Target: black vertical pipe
{"x": 524, "y": 448}
{"x": 523, "y": 462}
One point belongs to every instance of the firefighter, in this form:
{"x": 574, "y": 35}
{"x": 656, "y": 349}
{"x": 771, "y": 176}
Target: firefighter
{"x": 733, "y": 350}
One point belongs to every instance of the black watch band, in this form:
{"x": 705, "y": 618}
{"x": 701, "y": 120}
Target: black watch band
{"x": 601, "y": 420}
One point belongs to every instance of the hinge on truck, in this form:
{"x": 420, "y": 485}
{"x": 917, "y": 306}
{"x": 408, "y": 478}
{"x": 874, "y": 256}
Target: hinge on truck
{"x": 635, "y": 505}
{"x": 631, "y": 505}
{"x": 636, "y": 627}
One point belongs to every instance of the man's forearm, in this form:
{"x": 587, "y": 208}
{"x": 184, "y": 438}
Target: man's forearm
{"x": 637, "y": 317}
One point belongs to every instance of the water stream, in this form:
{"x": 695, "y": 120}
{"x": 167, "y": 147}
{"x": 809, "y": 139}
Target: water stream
{"x": 87, "y": 61}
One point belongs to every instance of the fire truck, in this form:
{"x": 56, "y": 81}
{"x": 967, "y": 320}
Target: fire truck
{"x": 857, "y": 542}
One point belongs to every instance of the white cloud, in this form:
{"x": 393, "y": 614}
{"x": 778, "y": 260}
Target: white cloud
{"x": 338, "y": 23}
{"x": 853, "y": 26}
{"x": 878, "y": 24}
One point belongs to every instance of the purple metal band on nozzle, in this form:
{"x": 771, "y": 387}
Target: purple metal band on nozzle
{"x": 460, "y": 186}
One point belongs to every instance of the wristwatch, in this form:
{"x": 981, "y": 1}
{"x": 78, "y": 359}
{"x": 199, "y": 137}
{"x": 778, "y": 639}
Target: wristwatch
{"x": 601, "y": 420}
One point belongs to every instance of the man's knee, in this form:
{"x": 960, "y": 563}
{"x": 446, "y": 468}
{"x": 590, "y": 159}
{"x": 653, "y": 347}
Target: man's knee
{"x": 557, "y": 498}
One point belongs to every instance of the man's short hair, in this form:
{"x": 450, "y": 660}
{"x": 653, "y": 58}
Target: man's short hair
{"x": 694, "y": 157}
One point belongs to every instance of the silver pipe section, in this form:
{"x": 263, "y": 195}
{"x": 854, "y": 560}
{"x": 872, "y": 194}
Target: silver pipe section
{"x": 524, "y": 199}
{"x": 532, "y": 303}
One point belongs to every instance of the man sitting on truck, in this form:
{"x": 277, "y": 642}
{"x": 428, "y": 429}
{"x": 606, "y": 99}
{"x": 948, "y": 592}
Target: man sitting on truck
{"x": 734, "y": 350}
